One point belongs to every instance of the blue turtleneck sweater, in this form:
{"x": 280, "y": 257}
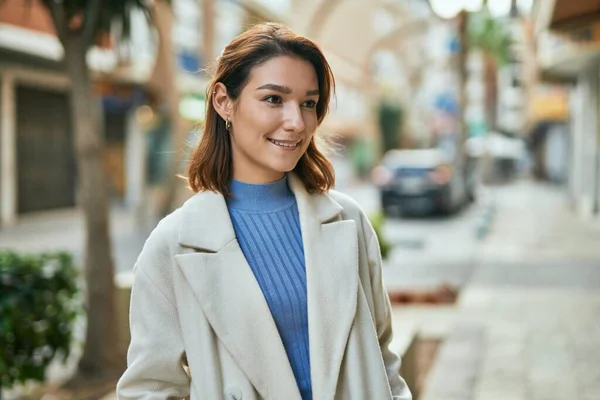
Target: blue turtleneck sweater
{"x": 267, "y": 226}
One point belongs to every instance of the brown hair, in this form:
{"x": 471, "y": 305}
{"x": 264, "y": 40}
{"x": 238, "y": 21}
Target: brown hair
{"x": 210, "y": 167}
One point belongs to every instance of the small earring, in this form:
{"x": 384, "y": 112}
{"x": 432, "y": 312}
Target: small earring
{"x": 228, "y": 124}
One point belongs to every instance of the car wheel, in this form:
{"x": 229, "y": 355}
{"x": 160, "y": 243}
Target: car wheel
{"x": 395, "y": 211}
{"x": 445, "y": 205}
{"x": 385, "y": 206}
{"x": 390, "y": 209}
{"x": 471, "y": 196}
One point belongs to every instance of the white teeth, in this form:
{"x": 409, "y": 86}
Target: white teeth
{"x": 282, "y": 144}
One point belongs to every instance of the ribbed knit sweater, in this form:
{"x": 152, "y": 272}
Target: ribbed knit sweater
{"x": 267, "y": 226}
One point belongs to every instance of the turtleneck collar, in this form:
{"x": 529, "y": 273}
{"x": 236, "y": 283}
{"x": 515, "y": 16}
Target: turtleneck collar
{"x": 265, "y": 197}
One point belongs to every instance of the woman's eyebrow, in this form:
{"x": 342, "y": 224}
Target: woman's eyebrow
{"x": 285, "y": 89}
{"x": 277, "y": 88}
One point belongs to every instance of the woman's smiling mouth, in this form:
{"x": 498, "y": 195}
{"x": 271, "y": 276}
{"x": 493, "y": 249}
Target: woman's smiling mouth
{"x": 285, "y": 144}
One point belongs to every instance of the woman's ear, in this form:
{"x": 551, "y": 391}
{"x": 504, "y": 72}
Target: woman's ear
{"x": 221, "y": 101}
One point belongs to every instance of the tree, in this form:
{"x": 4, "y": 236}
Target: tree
{"x": 390, "y": 123}
{"x": 490, "y": 36}
{"x": 482, "y": 32}
{"x": 493, "y": 39}
{"x": 78, "y": 25}
{"x": 163, "y": 82}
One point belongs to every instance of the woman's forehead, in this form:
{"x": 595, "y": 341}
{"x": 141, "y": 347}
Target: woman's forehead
{"x": 286, "y": 72}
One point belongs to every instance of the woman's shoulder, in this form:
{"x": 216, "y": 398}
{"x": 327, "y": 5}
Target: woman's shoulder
{"x": 165, "y": 233}
{"x": 353, "y": 211}
{"x": 350, "y": 206}
{"x": 169, "y": 226}
{"x": 201, "y": 215}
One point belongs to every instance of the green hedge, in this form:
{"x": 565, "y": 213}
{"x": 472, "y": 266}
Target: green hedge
{"x": 378, "y": 220}
{"x": 39, "y": 302}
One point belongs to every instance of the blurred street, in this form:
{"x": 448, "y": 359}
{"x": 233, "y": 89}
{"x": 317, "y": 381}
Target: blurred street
{"x": 64, "y": 230}
{"x": 427, "y": 250}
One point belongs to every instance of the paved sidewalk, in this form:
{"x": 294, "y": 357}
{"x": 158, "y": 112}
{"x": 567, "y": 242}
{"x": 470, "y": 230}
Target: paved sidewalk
{"x": 528, "y": 324}
{"x": 64, "y": 230}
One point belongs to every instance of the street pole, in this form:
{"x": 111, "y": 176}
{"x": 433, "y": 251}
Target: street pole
{"x": 463, "y": 134}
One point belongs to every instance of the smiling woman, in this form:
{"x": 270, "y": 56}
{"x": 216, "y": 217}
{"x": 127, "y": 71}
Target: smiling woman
{"x": 270, "y": 92}
{"x": 271, "y": 124}
{"x": 266, "y": 284}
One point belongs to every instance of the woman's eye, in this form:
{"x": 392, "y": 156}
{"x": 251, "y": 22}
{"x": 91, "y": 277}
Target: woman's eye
{"x": 310, "y": 104}
{"x": 273, "y": 99}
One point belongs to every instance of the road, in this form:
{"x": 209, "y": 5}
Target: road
{"x": 426, "y": 251}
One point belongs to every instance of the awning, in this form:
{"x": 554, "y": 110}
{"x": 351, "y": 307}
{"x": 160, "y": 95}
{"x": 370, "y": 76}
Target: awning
{"x": 569, "y": 13}
{"x": 564, "y": 54}
{"x": 564, "y": 15}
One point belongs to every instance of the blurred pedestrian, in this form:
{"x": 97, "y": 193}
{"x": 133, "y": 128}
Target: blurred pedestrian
{"x": 266, "y": 284}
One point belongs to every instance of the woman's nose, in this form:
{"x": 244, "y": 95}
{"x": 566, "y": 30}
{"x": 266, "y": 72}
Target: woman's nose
{"x": 293, "y": 121}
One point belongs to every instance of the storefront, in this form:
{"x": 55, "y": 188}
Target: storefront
{"x": 568, "y": 35}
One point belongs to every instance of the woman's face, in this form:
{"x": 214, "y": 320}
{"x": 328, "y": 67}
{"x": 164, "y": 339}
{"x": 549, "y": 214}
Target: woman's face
{"x": 274, "y": 119}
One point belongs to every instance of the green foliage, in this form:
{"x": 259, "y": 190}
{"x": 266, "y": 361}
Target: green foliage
{"x": 377, "y": 221}
{"x": 390, "y": 124}
{"x": 490, "y": 35}
{"x": 109, "y": 14}
{"x": 38, "y": 307}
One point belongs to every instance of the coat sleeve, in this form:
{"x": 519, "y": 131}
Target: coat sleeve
{"x": 154, "y": 360}
{"x": 383, "y": 319}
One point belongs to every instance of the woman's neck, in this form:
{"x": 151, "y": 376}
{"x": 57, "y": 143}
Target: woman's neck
{"x": 252, "y": 176}
{"x": 260, "y": 197}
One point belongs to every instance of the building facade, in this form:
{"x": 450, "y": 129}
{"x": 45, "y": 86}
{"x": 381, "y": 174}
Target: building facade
{"x": 568, "y": 36}
{"x": 37, "y": 168}
{"x": 36, "y": 159}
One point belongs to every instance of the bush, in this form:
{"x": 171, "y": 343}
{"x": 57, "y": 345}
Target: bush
{"x": 377, "y": 220}
{"x": 38, "y": 307}
{"x": 390, "y": 124}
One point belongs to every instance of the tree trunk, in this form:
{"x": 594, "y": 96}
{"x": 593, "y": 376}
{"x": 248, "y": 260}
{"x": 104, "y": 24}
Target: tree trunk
{"x": 174, "y": 182}
{"x": 99, "y": 354}
{"x": 491, "y": 90}
{"x": 164, "y": 82}
{"x": 463, "y": 74}
{"x": 208, "y": 30}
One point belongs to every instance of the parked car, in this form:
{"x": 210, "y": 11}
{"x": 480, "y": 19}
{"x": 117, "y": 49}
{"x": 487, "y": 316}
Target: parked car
{"x": 421, "y": 180}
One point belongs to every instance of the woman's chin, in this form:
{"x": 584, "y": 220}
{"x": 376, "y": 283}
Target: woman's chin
{"x": 283, "y": 167}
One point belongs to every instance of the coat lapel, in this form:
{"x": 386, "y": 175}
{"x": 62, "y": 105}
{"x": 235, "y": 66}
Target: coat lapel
{"x": 331, "y": 253}
{"x": 231, "y": 298}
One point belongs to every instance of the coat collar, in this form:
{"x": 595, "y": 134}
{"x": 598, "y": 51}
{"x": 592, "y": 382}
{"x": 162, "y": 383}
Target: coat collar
{"x": 233, "y": 302}
{"x": 210, "y": 209}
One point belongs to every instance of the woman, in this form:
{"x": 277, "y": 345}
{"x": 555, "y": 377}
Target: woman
{"x": 265, "y": 284}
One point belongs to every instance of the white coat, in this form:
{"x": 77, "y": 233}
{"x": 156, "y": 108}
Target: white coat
{"x": 200, "y": 325}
